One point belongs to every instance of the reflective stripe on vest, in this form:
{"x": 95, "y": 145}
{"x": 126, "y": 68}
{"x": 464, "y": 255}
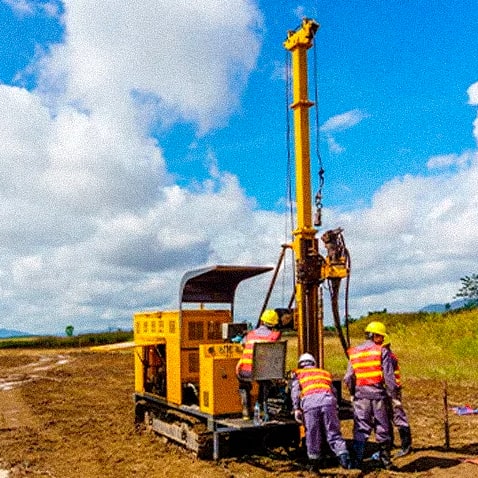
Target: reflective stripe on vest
{"x": 313, "y": 380}
{"x": 367, "y": 365}
{"x": 245, "y": 362}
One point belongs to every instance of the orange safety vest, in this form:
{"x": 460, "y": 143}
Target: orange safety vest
{"x": 367, "y": 364}
{"x": 245, "y": 362}
{"x": 313, "y": 380}
{"x": 396, "y": 369}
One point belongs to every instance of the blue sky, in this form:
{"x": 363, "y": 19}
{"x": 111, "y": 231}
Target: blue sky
{"x": 139, "y": 143}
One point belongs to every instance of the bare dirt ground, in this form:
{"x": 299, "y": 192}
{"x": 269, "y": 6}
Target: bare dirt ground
{"x": 70, "y": 414}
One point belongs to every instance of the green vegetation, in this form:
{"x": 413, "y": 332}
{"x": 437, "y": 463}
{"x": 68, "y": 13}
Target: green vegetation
{"x": 441, "y": 346}
{"x": 53, "y": 342}
{"x": 431, "y": 345}
{"x": 469, "y": 290}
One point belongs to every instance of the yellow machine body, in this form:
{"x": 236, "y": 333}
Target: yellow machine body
{"x": 218, "y": 381}
{"x": 174, "y": 338}
{"x": 185, "y": 357}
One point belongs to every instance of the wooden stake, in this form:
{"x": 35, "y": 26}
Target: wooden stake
{"x": 446, "y": 423}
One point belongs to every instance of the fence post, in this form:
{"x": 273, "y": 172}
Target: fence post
{"x": 446, "y": 423}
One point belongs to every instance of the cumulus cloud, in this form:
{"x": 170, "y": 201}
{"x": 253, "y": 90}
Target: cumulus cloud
{"x": 92, "y": 225}
{"x": 473, "y": 100}
{"x": 338, "y": 123}
{"x": 28, "y": 7}
{"x": 165, "y": 53}
{"x": 95, "y": 228}
{"x": 473, "y": 94}
{"x": 415, "y": 241}
{"x": 444, "y": 161}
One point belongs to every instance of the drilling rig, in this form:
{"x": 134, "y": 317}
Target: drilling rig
{"x": 185, "y": 383}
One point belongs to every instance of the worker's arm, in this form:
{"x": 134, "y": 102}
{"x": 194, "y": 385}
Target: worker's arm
{"x": 349, "y": 379}
{"x": 389, "y": 374}
{"x": 295, "y": 397}
{"x": 295, "y": 393}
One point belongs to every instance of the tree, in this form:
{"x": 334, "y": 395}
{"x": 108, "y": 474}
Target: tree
{"x": 469, "y": 290}
{"x": 69, "y": 330}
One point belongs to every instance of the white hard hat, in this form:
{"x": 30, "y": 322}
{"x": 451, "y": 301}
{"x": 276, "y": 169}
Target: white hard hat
{"x": 306, "y": 358}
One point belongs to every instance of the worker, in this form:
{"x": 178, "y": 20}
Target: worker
{"x": 399, "y": 417}
{"x": 315, "y": 406}
{"x": 264, "y": 333}
{"x": 370, "y": 380}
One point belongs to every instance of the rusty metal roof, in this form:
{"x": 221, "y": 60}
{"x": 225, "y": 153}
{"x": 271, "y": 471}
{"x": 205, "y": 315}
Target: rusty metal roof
{"x": 216, "y": 284}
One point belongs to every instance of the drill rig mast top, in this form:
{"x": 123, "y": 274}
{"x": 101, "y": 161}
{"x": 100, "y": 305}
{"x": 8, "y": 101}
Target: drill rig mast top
{"x": 312, "y": 269}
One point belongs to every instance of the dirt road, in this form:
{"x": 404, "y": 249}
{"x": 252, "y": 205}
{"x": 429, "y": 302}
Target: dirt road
{"x": 69, "y": 414}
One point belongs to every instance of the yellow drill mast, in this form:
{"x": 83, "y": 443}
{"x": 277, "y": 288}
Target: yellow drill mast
{"x": 311, "y": 268}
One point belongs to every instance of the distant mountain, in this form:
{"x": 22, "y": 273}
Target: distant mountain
{"x": 456, "y": 304}
{"x": 7, "y": 333}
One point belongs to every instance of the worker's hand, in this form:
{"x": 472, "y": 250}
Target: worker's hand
{"x": 298, "y": 416}
{"x": 396, "y": 403}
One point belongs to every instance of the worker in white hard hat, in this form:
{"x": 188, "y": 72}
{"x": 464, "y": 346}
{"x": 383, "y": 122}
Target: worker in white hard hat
{"x": 371, "y": 382}
{"x": 315, "y": 406}
{"x": 264, "y": 333}
{"x": 399, "y": 416}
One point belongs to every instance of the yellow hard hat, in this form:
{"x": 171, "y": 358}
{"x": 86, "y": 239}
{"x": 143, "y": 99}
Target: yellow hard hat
{"x": 386, "y": 340}
{"x": 376, "y": 328}
{"x": 270, "y": 317}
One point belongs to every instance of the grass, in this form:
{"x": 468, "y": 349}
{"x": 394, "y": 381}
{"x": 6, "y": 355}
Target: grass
{"x": 53, "y": 342}
{"x": 432, "y": 345}
{"x": 429, "y": 345}
{"x": 439, "y": 346}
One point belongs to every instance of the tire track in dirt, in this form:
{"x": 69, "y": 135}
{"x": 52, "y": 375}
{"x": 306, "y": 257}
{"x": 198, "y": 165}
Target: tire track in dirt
{"x": 14, "y": 413}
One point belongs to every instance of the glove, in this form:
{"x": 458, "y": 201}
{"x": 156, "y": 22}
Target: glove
{"x": 298, "y": 416}
{"x": 396, "y": 403}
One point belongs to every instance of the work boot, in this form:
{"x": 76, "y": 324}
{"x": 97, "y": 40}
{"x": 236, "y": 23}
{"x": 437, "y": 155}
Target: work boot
{"x": 344, "y": 460}
{"x": 406, "y": 441}
{"x": 313, "y": 465}
{"x": 385, "y": 456}
{"x": 246, "y": 404}
{"x": 358, "y": 448}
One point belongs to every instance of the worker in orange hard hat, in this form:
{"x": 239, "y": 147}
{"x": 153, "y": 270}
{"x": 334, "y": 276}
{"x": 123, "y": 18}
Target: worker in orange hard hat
{"x": 399, "y": 416}
{"x": 264, "y": 333}
{"x": 371, "y": 382}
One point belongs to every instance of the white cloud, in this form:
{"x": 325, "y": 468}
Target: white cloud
{"x": 415, "y": 241}
{"x": 473, "y": 100}
{"x": 93, "y": 227}
{"x": 451, "y": 160}
{"x": 29, "y": 7}
{"x": 473, "y": 94}
{"x": 343, "y": 121}
{"x": 338, "y": 123}
{"x": 167, "y": 51}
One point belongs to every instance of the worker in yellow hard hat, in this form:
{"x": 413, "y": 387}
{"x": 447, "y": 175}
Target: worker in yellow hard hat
{"x": 399, "y": 417}
{"x": 371, "y": 382}
{"x": 378, "y": 329}
{"x": 265, "y": 332}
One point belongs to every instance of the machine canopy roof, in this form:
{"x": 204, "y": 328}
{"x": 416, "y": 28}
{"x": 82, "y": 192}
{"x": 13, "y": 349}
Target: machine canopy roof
{"x": 215, "y": 284}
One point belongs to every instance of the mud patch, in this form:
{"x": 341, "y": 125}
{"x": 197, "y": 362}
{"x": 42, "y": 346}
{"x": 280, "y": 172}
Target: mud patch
{"x": 14, "y": 413}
